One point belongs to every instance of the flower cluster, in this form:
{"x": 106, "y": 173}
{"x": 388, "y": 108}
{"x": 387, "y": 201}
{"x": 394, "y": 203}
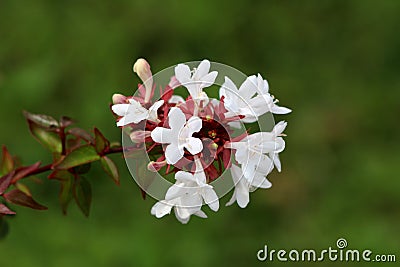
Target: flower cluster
{"x": 193, "y": 137}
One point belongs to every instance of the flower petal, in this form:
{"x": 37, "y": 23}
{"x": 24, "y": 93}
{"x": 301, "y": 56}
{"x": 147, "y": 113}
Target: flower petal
{"x": 211, "y": 198}
{"x": 176, "y": 119}
{"x": 120, "y": 109}
{"x": 173, "y": 153}
{"x": 161, "y": 209}
{"x": 194, "y": 124}
{"x": 162, "y": 135}
{"x": 194, "y": 145}
{"x": 201, "y": 70}
{"x": 249, "y": 87}
{"x": 182, "y": 73}
{"x": 280, "y": 110}
{"x": 208, "y": 79}
{"x": 185, "y": 177}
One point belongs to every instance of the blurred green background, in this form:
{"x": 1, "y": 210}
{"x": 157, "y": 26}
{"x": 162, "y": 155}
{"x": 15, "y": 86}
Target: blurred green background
{"x": 335, "y": 63}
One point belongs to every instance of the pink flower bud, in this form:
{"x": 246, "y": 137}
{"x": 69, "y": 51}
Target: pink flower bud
{"x": 142, "y": 69}
{"x": 155, "y": 166}
{"x": 139, "y": 136}
{"x": 173, "y": 83}
{"x": 119, "y": 99}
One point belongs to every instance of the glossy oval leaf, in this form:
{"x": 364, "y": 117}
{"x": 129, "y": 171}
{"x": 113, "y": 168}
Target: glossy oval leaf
{"x": 79, "y": 156}
{"x": 47, "y": 138}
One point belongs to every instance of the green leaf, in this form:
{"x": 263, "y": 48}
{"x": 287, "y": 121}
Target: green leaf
{"x": 18, "y": 197}
{"x": 110, "y": 168}
{"x": 44, "y": 121}
{"x": 22, "y": 187}
{"x": 82, "y": 169}
{"x": 7, "y": 162}
{"x": 79, "y": 156}
{"x": 47, "y": 138}
{"x": 65, "y": 195}
{"x": 101, "y": 143}
{"x": 3, "y": 228}
{"x": 83, "y": 195}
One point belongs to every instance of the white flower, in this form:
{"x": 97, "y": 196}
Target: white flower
{"x": 134, "y": 112}
{"x": 244, "y": 101}
{"x": 258, "y": 152}
{"x": 196, "y": 82}
{"x": 179, "y": 136}
{"x": 187, "y": 196}
{"x": 243, "y": 186}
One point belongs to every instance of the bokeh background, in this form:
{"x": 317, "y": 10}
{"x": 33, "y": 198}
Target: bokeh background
{"x": 335, "y": 63}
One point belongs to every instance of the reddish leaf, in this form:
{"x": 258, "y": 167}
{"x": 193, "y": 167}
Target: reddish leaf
{"x": 5, "y": 210}
{"x": 78, "y": 132}
{"x": 83, "y": 195}
{"x": 5, "y": 182}
{"x": 20, "y": 198}
{"x": 101, "y": 143}
{"x": 79, "y": 156}
{"x": 22, "y": 187}
{"x": 24, "y": 171}
{"x": 110, "y": 168}
{"x": 7, "y": 162}
{"x": 65, "y": 121}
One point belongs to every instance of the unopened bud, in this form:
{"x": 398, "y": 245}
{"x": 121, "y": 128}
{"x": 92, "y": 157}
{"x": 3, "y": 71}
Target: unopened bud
{"x": 173, "y": 83}
{"x": 142, "y": 69}
{"x": 139, "y": 136}
{"x": 119, "y": 99}
{"x": 155, "y": 166}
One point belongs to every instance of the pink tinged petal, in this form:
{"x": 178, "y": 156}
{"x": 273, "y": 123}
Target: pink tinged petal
{"x": 161, "y": 209}
{"x": 162, "y": 135}
{"x": 202, "y": 69}
{"x": 176, "y": 118}
{"x": 118, "y": 99}
{"x": 173, "y": 153}
{"x": 280, "y": 110}
{"x": 182, "y": 73}
{"x": 194, "y": 124}
{"x": 211, "y": 198}
{"x": 249, "y": 87}
{"x": 194, "y": 145}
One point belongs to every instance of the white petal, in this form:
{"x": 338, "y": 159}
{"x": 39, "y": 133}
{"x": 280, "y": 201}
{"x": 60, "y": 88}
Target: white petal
{"x": 178, "y": 190}
{"x": 249, "y": 87}
{"x": 211, "y": 199}
{"x": 276, "y": 160}
{"x": 176, "y": 118}
{"x": 120, "y": 109}
{"x": 161, "y": 209}
{"x": 228, "y": 90}
{"x": 182, "y": 73}
{"x": 209, "y": 79}
{"x": 232, "y": 200}
{"x": 202, "y": 69}
{"x": 241, "y": 193}
{"x": 185, "y": 177}
{"x": 194, "y": 145}
{"x": 261, "y": 182}
{"x": 156, "y": 106}
{"x": 201, "y": 214}
{"x": 279, "y": 127}
{"x": 194, "y": 124}
{"x": 162, "y": 135}
{"x": 176, "y": 99}
{"x": 280, "y": 110}
{"x": 173, "y": 153}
